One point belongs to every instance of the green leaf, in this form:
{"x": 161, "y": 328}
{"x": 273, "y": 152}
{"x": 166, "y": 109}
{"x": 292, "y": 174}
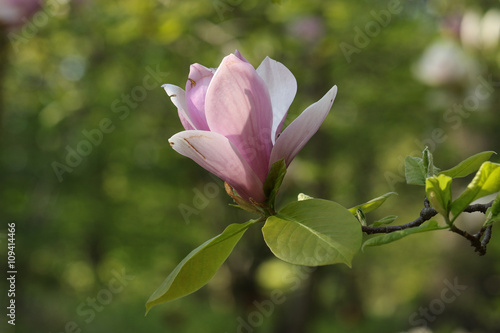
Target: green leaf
{"x": 438, "y": 191}
{"x": 372, "y": 204}
{"x": 313, "y": 232}
{"x": 396, "y": 235}
{"x": 468, "y": 166}
{"x": 428, "y": 162}
{"x": 493, "y": 213}
{"x": 274, "y": 180}
{"x": 361, "y": 216}
{"x": 418, "y": 169}
{"x": 485, "y": 182}
{"x": 386, "y": 220}
{"x": 199, "y": 266}
{"x": 414, "y": 170}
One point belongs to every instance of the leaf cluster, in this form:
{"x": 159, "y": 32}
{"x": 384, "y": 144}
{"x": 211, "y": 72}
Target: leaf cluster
{"x": 316, "y": 232}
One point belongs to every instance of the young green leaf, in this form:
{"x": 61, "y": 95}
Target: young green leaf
{"x": 428, "y": 162}
{"x": 485, "y": 182}
{"x": 468, "y": 166}
{"x": 438, "y": 191}
{"x": 274, "y": 180}
{"x": 386, "y": 220}
{"x": 493, "y": 213}
{"x": 361, "y": 216}
{"x": 199, "y": 266}
{"x": 313, "y": 232}
{"x": 396, "y": 235}
{"x": 418, "y": 169}
{"x": 414, "y": 170}
{"x": 372, "y": 204}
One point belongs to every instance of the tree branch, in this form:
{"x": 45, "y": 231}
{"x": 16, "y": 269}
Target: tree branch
{"x": 478, "y": 208}
{"x": 477, "y": 240}
{"x": 425, "y": 214}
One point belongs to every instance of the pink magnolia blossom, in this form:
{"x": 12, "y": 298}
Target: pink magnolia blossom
{"x": 233, "y": 116}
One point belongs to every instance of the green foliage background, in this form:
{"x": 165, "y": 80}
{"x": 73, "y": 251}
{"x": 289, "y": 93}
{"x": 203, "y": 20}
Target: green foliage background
{"x": 119, "y": 209}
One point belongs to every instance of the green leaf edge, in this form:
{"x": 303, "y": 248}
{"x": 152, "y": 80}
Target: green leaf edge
{"x": 376, "y": 203}
{"x": 385, "y": 220}
{"x": 160, "y": 294}
{"x": 468, "y": 166}
{"x": 473, "y": 191}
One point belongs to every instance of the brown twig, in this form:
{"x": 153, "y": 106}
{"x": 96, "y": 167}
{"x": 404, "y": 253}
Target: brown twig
{"x": 479, "y": 240}
{"x": 425, "y": 215}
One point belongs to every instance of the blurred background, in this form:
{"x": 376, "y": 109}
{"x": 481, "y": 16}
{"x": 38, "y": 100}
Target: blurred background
{"x": 105, "y": 209}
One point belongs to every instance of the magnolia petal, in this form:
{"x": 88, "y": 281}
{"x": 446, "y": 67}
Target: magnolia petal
{"x": 196, "y": 89}
{"x": 178, "y": 98}
{"x": 238, "y": 106}
{"x": 298, "y": 133}
{"x": 186, "y": 123}
{"x": 241, "y": 57}
{"x": 217, "y": 154}
{"x": 282, "y": 88}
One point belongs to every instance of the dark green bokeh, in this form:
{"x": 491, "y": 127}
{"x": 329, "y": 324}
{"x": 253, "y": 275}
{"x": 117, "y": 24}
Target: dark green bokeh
{"x": 119, "y": 209}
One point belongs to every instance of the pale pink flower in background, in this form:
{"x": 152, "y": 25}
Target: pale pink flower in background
{"x": 16, "y": 12}
{"x": 233, "y": 116}
{"x": 444, "y": 62}
{"x": 308, "y": 29}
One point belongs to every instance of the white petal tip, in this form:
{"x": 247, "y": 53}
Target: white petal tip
{"x": 332, "y": 93}
{"x": 171, "y": 90}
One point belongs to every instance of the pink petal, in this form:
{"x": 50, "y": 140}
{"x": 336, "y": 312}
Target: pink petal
{"x": 238, "y": 54}
{"x": 238, "y": 106}
{"x": 298, "y": 133}
{"x": 282, "y": 87}
{"x": 185, "y": 121}
{"x": 196, "y": 88}
{"x": 178, "y": 97}
{"x": 217, "y": 154}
